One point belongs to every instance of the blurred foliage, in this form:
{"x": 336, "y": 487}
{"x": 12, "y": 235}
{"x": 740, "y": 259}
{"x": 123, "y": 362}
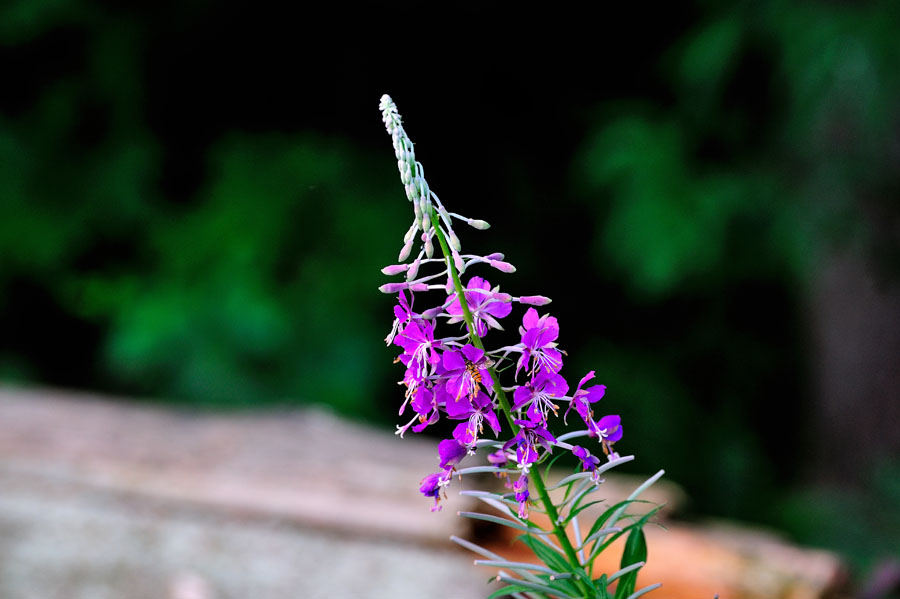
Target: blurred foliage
{"x": 778, "y": 145}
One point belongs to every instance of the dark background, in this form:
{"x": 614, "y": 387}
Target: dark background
{"x": 196, "y": 200}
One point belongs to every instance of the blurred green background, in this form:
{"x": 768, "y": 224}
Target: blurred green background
{"x": 196, "y": 200}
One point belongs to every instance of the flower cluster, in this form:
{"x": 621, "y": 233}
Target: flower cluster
{"x": 449, "y": 372}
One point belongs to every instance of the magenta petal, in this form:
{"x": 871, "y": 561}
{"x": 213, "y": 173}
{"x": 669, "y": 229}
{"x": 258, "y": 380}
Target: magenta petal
{"x": 458, "y": 407}
{"x": 491, "y": 418}
{"x": 478, "y": 283}
{"x": 450, "y": 452}
{"x": 498, "y": 309}
{"x": 521, "y": 396}
{"x": 423, "y": 401}
{"x": 463, "y": 434}
{"x": 472, "y": 354}
{"x": 610, "y": 424}
{"x": 486, "y": 379}
{"x": 531, "y": 318}
{"x": 586, "y": 378}
{"x": 595, "y": 393}
{"x": 453, "y": 360}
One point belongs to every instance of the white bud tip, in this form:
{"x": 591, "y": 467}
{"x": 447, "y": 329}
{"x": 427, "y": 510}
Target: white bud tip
{"x": 479, "y": 224}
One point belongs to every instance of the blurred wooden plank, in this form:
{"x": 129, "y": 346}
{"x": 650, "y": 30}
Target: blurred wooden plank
{"x": 305, "y": 465}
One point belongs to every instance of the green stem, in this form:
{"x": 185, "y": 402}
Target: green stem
{"x": 500, "y": 394}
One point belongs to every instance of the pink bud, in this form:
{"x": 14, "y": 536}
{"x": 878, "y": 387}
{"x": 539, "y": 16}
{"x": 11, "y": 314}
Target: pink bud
{"x": 407, "y": 248}
{"x": 394, "y": 269}
{"x": 502, "y": 297}
{"x": 502, "y": 266}
{"x": 431, "y": 313}
{"x": 454, "y": 241}
{"x": 494, "y": 256}
{"x": 478, "y": 224}
{"x": 458, "y": 262}
{"x": 418, "y": 287}
{"x": 392, "y": 287}
{"x": 535, "y": 300}
{"x": 413, "y": 269}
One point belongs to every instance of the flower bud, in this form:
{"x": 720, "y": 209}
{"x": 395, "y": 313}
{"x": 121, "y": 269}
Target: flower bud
{"x": 478, "y": 224}
{"x": 454, "y": 240}
{"x": 458, "y": 262}
{"x": 393, "y": 287}
{"x": 414, "y": 269}
{"x": 394, "y": 269}
{"x": 534, "y": 300}
{"x": 429, "y": 248}
{"x": 407, "y": 248}
{"x": 502, "y": 266}
{"x": 494, "y": 256}
{"x": 419, "y": 287}
{"x": 431, "y": 313}
{"x": 502, "y": 297}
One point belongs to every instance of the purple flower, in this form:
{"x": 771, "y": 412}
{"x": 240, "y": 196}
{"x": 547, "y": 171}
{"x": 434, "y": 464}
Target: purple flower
{"x": 540, "y": 392}
{"x": 530, "y": 435}
{"x": 417, "y": 341}
{"x": 466, "y": 369}
{"x": 583, "y": 398}
{"x": 476, "y": 411}
{"x": 451, "y": 453}
{"x": 609, "y": 429}
{"x": 484, "y": 308}
{"x": 588, "y": 461}
{"x": 539, "y": 341}
{"x": 402, "y": 314}
{"x": 521, "y": 489}
{"x": 431, "y": 486}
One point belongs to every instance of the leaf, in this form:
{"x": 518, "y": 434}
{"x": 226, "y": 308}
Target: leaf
{"x": 635, "y": 551}
{"x": 547, "y": 555}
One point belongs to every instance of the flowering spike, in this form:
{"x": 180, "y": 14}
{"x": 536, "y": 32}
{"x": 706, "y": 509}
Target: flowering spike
{"x": 454, "y": 376}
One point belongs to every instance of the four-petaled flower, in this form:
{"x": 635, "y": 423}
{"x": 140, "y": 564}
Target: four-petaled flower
{"x": 541, "y": 392}
{"x": 466, "y": 371}
{"x": 484, "y": 307}
{"x": 539, "y": 344}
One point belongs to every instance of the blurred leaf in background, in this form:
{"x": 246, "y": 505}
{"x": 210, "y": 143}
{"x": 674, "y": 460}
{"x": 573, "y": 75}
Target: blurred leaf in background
{"x": 777, "y": 151}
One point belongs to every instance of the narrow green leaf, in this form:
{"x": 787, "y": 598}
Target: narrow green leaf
{"x": 635, "y": 552}
{"x": 577, "y": 510}
{"x": 547, "y": 555}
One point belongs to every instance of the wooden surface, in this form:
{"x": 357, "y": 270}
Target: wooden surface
{"x": 307, "y": 466}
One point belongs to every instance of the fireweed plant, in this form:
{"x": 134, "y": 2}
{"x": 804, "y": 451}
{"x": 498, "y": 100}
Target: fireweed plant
{"x": 450, "y": 373}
